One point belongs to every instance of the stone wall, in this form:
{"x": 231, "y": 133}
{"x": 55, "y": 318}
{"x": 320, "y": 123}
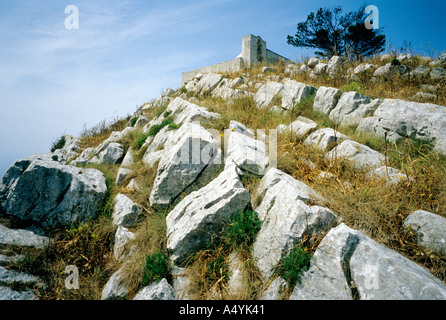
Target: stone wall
{"x": 254, "y": 51}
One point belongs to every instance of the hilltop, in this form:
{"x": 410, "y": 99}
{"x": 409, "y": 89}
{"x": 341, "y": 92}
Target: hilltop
{"x": 312, "y": 180}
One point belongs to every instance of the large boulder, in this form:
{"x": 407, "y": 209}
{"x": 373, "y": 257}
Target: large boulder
{"x": 397, "y": 119}
{"x": 286, "y": 219}
{"x": 294, "y": 92}
{"x": 298, "y": 128}
{"x": 360, "y": 155}
{"x": 267, "y": 92}
{"x": 349, "y": 265}
{"x": 201, "y": 216}
{"x": 125, "y": 211}
{"x": 352, "y": 107}
{"x": 186, "y": 154}
{"x": 20, "y": 237}
{"x": 326, "y": 99}
{"x": 429, "y": 230}
{"x": 50, "y": 193}
{"x": 184, "y": 111}
{"x": 324, "y": 139}
{"x": 247, "y": 153}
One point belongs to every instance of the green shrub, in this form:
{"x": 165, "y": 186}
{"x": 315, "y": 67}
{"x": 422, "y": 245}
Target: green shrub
{"x": 133, "y": 121}
{"x": 242, "y": 230}
{"x": 157, "y": 127}
{"x": 140, "y": 140}
{"x": 156, "y": 268}
{"x": 166, "y": 114}
{"x": 291, "y": 267}
{"x": 173, "y": 126}
{"x": 395, "y": 62}
{"x": 58, "y": 144}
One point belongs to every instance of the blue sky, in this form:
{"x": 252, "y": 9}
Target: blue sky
{"x": 54, "y": 80}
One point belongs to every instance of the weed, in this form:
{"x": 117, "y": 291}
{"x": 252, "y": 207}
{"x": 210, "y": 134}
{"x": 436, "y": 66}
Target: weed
{"x": 242, "y": 230}
{"x": 58, "y": 144}
{"x": 133, "y": 121}
{"x": 291, "y": 266}
{"x": 156, "y": 268}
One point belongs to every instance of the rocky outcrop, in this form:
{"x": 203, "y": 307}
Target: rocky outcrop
{"x": 247, "y": 154}
{"x": 286, "y": 219}
{"x": 187, "y": 153}
{"x": 50, "y": 193}
{"x": 398, "y": 119}
{"x": 349, "y": 265}
{"x": 201, "y": 216}
{"x": 156, "y": 291}
{"x": 428, "y": 229}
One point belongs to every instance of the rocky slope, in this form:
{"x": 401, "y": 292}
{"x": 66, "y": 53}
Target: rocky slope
{"x": 199, "y": 180}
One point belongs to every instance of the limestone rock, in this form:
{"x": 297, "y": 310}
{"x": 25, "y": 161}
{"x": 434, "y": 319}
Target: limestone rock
{"x": 122, "y": 237}
{"x": 275, "y": 182}
{"x": 125, "y": 211}
{"x": 287, "y": 219}
{"x": 267, "y": 92}
{"x": 348, "y": 264}
{"x": 156, "y": 291}
{"x": 324, "y": 139}
{"x": 115, "y": 288}
{"x": 363, "y": 67}
{"x": 247, "y": 153}
{"x": 320, "y": 69}
{"x": 109, "y": 153}
{"x": 391, "y": 175}
{"x": 389, "y": 71}
{"x": 275, "y": 289}
{"x": 421, "y": 71}
{"x": 208, "y": 82}
{"x": 437, "y": 73}
{"x": 294, "y": 92}
{"x": 187, "y": 152}
{"x": 9, "y": 294}
{"x": 201, "y": 215}
{"x": 352, "y": 107}
{"x": 20, "y": 237}
{"x": 69, "y": 151}
{"x": 235, "y": 126}
{"x": 326, "y": 99}
{"x": 298, "y": 128}
{"x": 184, "y": 111}
{"x": 397, "y": 119}
{"x": 429, "y": 229}
{"x": 360, "y": 155}
{"x": 122, "y": 174}
{"x": 333, "y": 65}
{"x": 313, "y": 62}
{"x": 50, "y": 193}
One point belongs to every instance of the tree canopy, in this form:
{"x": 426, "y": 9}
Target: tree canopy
{"x": 334, "y": 33}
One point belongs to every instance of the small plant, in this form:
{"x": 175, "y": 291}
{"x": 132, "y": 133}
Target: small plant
{"x": 173, "y": 126}
{"x": 58, "y": 144}
{"x": 157, "y": 127}
{"x": 140, "y": 140}
{"x": 395, "y": 62}
{"x": 292, "y": 266}
{"x": 133, "y": 121}
{"x": 352, "y": 86}
{"x": 156, "y": 268}
{"x": 242, "y": 230}
{"x": 167, "y": 113}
